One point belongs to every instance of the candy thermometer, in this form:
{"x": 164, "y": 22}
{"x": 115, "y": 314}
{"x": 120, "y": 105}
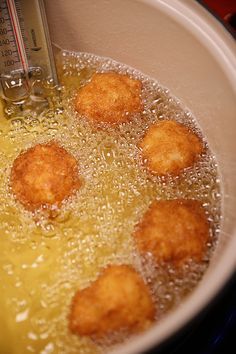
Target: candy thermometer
{"x": 25, "y": 49}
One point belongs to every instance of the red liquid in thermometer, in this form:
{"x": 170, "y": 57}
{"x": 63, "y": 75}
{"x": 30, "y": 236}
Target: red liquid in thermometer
{"x": 17, "y": 33}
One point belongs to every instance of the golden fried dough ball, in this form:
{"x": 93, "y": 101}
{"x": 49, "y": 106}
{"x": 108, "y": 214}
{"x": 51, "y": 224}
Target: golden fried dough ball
{"x": 118, "y": 299}
{"x": 44, "y": 175}
{"x": 173, "y": 231}
{"x": 109, "y": 98}
{"x": 168, "y": 147}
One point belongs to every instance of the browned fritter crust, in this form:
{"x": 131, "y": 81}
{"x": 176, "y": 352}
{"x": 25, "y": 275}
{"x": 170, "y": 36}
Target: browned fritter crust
{"x": 44, "y": 175}
{"x": 110, "y": 98}
{"x": 168, "y": 147}
{"x": 118, "y": 299}
{"x": 173, "y": 231}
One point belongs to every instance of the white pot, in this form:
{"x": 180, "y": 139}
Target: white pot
{"x": 187, "y": 50}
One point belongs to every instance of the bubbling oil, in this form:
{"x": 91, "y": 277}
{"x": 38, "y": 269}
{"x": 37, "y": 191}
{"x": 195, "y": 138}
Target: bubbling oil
{"x": 43, "y": 261}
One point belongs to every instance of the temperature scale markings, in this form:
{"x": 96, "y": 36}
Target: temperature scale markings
{"x": 7, "y": 43}
{"x": 18, "y": 37}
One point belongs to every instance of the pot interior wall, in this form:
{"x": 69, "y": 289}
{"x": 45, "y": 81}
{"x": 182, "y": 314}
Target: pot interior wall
{"x": 168, "y": 43}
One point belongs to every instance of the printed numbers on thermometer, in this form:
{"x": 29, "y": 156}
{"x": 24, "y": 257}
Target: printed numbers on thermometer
{"x": 8, "y": 49}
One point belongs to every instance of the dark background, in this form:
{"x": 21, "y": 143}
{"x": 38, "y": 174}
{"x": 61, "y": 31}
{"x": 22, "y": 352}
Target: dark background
{"x": 225, "y": 12}
{"x": 214, "y": 330}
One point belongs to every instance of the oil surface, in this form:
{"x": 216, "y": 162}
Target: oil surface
{"x": 44, "y": 262}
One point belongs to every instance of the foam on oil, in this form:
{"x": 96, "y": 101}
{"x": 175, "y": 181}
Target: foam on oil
{"x": 43, "y": 261}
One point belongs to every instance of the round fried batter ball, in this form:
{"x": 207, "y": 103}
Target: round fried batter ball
{"x": 110, "y": 98}
{"x": 173, "y": 231}
{"x": 118, "y": 299}
{"x": 168, "y": 147}
{"x": 44, "y": 175}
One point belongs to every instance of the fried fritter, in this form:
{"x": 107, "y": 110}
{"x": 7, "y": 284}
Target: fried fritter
{"x": 168, "y": 147}
{"x": 118, "y": 299}
{"x": 43, "y": 176}
{"x": 173, "y": 231}
{"x": 110, "y": 98}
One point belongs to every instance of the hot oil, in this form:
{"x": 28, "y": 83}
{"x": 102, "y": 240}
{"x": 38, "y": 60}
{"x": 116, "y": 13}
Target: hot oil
{"x": 44, "y": 261}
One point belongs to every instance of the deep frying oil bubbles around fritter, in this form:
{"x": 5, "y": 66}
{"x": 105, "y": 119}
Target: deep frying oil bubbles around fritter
{"x": 45, "y": 261}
